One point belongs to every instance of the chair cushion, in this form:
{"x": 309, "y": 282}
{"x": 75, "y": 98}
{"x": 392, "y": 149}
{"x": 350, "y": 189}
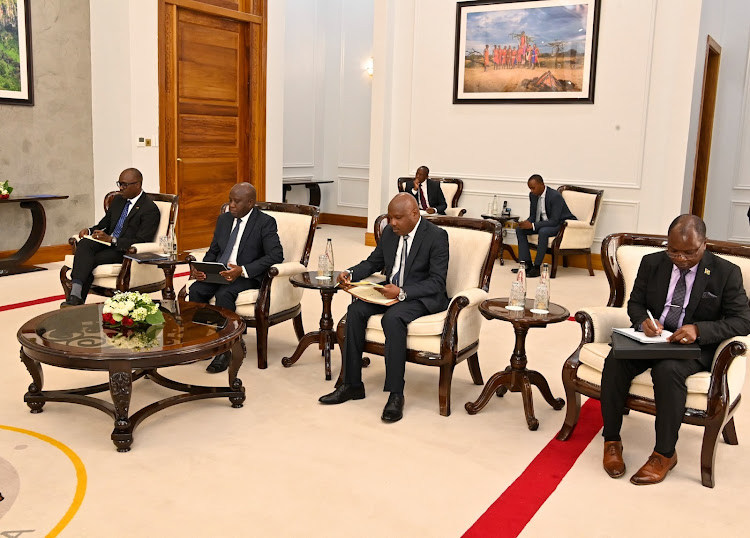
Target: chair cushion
{"x": 164, "y": 209}
{"x": 471, "y": 247}
{"x": 293, "y": 231}
{"x": 429, "y": 325}
{"x": 449, "y": 191}
{"x": 581, "y": 204}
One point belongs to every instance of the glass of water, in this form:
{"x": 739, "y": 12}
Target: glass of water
{"x": 165, "y": 244}
{"x": 517, "y": 298}
{"x": 324, "y": 267}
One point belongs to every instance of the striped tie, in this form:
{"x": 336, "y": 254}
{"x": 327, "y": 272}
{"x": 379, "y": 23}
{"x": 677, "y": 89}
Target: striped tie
{"x": 398, "y": 278}
{"x": 121, "y": 222}
{"x": 678, "y": 299}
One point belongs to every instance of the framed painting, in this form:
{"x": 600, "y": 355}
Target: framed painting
{"x": 16, "y": 83}
{"x": 525, "y": 51}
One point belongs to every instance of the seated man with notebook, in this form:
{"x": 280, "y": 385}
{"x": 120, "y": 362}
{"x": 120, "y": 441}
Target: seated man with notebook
{"x": 132, "y": 217}
{"x": 246, "y": 240}
{"x": 413, "y": 254}
{"x": 428, "y": 193}
{"x": 701, "y": 299}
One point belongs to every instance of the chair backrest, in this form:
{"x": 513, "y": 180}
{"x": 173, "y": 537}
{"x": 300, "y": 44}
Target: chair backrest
{"x": 296, "y": 226}
{"x": 451, "y": 187}
{"x": 622, "y": 254}
{"x": 167, "y": 204}
{"x": 583, "y": 203}
{"x": 474, "y": 245}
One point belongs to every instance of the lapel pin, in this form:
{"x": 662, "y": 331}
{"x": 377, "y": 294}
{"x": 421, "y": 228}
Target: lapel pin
{"x": 707, "y": 271}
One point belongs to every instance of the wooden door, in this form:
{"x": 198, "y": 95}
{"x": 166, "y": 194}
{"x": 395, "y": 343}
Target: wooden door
{"x": 211, "y": 123}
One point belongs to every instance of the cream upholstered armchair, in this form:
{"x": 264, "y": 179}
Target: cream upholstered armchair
{"x": 451, "y": 187}
{"x": 449, "y": 337}
{"x": 712, "y": 396}
{"x": 128, "y": 275}
{"x": 575, "y": 236}
{"x": 277, "y": 300}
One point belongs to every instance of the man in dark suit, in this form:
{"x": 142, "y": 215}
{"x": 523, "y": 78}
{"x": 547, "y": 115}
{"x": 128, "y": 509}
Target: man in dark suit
{"x": 246, "y": 240}
{"x": 132, "y": 217}
{"x": 428, "y": 193}
{"x": 413, "y": 254}
{"x": 700, "y": 298}
{"x": 544, "y": 219}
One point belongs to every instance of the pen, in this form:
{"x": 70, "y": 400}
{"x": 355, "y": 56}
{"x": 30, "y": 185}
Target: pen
{"x": 652, "y": 320}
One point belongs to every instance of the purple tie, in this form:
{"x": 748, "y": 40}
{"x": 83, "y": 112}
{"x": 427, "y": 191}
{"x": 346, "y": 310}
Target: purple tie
{"x": 678, "y": 299}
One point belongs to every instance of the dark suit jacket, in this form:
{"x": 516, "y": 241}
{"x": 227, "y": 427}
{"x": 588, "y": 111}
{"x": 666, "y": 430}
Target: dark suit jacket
{"x": 435, "y": 196}
{"x": 717, "y": 305}
{"x": 260, "y": 246}
{"x": 140, "y": 226}
{"x": 555, "y": 207}
{"x": 426, "y": 265}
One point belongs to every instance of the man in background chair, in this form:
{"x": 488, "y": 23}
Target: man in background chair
{"x": 413, "y": 253}
{"x": 132, "y": 217}
{"x": 246, "y": 240}
{"x": 548, "y": 211}
{"x": 700, "y": 298}
{"x": 428, "y": 193}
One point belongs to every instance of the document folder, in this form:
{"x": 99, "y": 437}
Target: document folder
{"x": 627, "y": 348}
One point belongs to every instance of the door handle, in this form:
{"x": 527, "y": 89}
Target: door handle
{"x": 179, "y": 160}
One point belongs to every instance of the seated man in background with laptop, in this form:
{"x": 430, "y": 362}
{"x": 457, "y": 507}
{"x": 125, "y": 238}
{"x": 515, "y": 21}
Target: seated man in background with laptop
{"x": 246, "y": 242}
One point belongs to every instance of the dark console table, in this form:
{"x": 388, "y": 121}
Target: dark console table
{"x": 13, "y": 264}
{"x": 313, "y": 185}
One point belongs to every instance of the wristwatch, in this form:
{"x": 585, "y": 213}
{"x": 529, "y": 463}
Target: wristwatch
{"x": 402, "y": 295}
{"x": 113, "y": 242}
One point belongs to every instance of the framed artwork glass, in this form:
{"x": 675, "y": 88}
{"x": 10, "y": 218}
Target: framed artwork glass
{"x": 16, "y": 82}
{"x": 526, "y": 51}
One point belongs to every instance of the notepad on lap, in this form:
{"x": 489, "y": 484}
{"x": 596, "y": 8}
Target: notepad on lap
{"x": 642, "y": 338}
{"x": 96, "y": 240}
{"x": 624, "y": 347}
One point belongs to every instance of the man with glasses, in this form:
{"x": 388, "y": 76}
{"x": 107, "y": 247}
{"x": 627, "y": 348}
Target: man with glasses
{"x": 132, "y": 218}
{"x": 698, "y": 297}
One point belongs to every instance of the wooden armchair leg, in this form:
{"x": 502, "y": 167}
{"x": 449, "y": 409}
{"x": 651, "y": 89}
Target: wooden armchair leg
{"x": 261, "y": 334}
{"x": 729, "y": 433}
{"x": 572, "y": 412}
{"x": 444, "y": 388}
{"x": 555, "y": 259}
{"x": 65, "y": 281}
{"x": 298, "y": 329}
{"x": 476, "y": 373}
{"x": 708, "y": 454}
{"x": 588, "y": 261}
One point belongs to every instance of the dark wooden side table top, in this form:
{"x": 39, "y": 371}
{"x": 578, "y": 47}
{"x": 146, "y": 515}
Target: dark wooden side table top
{"x": 169, "y": 266}
{"x": 13, "y": 264}
{"x": 502, "y": 219}
{"x": 326, "y": 336}
{"x": 516, "y": 377}
{"x": 75, "y": 338}
{"x": 313, "y": 185}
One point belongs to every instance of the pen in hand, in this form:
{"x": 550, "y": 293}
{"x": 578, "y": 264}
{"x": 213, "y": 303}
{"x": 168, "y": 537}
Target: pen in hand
{"x": 653, "y": 322}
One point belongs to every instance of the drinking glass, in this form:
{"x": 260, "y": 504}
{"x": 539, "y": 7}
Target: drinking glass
{"x": 324, "y": 267}
{"x": 164, "y": 244}
{"x": 541, "y": 299}
{"x": 517, "y": 298}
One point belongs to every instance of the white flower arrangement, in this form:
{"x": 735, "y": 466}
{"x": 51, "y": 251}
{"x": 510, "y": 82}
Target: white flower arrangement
{"x": 130, "y": 308}
{"x": 134, "y": 340}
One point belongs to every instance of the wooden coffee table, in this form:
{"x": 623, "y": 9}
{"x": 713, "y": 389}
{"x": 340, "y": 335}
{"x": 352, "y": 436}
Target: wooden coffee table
{"x": 516, "y": 377}
{"x": 74, "y": 338}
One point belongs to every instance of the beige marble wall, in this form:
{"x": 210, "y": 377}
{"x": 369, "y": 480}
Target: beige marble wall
{"x": 47, "y": 148}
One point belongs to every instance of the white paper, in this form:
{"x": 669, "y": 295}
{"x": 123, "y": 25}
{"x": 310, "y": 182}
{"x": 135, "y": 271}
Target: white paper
{"x": 641, "y": 337}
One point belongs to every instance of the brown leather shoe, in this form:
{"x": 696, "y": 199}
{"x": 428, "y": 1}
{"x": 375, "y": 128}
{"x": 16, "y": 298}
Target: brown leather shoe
{"x": 613, "y": 463}
{"x": 655, "y": 470}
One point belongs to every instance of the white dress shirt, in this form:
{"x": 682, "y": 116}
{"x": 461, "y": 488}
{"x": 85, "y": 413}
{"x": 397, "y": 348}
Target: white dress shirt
{"x": 236, "y": 247}
{"x": 397, "y": 260}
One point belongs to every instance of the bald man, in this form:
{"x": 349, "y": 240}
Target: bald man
{"x": 247, "y": 241}
{"x": 413, "y": 254}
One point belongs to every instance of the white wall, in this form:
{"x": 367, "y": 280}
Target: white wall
{"x": 632, "y": 142}
{"x": 728, "y": 196}
{"x": 327, "y": 97}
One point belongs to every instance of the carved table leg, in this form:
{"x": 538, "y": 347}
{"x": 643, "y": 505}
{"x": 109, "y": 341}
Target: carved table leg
{"x": 314, "y": 189}
{"x": 168, "y": 292}
{"x": 325, "y": 337}
{"x": 308, "y": 340}
{"x": 535, "y": 378}
{"x": 121, "y": 389}
{"x": 34, "y": 398}
{"x": 502, "y": 389}
{"x": 528, "y": 404}
{"x": 239, "y": 350}
{"x": 499, "y": 379}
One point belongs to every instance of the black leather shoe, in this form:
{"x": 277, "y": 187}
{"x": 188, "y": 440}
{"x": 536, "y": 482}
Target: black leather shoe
{"x": 533, "y": 271}
{"x": 394, "y": 409}
{"x": 514, "y": 270}
{"x": 344, "y": 393}
{"x": 220, "y": 363}
{"x": 73, "y": 300}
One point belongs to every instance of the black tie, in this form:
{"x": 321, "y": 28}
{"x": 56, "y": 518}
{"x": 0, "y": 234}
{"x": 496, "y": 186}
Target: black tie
{"x": 224, "y": 258}
{"x": 678, "y": 299}
{"x": 398, "y": 278}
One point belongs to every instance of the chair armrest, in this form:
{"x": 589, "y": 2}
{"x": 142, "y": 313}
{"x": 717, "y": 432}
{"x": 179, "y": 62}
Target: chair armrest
{"x": 597, "y": 322}
{"x": 455, "y": 211}
{"x": 725, "y": 354}
{"x": 474, "y": 296}
{"x": 577, "y": 224}
{"x": 146, "y": 247}
{"x": 286, "y": 269}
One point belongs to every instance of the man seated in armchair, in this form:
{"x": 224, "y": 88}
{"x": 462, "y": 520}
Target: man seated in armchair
{"x": 428, "y": 193}
{"x": 413, "y": 253}
{"x": 132, "y": 217}
{"x": 700, "y": 298}
{"x": 246, "y": 240}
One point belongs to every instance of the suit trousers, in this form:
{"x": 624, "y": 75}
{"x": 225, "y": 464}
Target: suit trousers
{"x": 88, "y": 256}
{"x": 670, "y": 394}
{"x": 226, "y": 294}
{"x": 522, "y": 236}
{"x": 395, "y": 319}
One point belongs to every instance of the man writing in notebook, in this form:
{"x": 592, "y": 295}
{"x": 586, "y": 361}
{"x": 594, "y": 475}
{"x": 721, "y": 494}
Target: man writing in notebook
{"x": 246, "y": 240}
{"x": 428, "y": 193}
{"x": 131, "y": 218}
{"x": 413, "y": 254}
{"x": 700, "y": 298}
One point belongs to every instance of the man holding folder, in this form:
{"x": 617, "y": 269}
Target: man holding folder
{"x": 701, "y": 299}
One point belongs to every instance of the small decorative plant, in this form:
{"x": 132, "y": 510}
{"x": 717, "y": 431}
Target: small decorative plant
{"x": 5, "y": 189}
{"x": 131, "y": 309}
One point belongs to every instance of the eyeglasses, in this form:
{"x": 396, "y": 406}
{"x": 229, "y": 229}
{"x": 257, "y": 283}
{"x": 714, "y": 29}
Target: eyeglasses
{"x": 124, "y": 184}
{"x": 684, "y": 255}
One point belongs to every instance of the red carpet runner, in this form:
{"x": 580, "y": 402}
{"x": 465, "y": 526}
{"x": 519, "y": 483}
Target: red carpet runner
{"x": 510, "y": 513}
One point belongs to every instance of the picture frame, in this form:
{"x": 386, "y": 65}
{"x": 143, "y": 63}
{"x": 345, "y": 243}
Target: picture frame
{"x": 526, "y": 51}
{"x": 16, "y": 75}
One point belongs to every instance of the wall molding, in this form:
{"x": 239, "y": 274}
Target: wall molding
{"x": 341, "y": 179}
{"x": 354, "y": 166}
{"x": 735, "y": 204}
{"x": 745, "y": 122}
{"x": 524, "y": 180}
{"x": 298, "y": 165}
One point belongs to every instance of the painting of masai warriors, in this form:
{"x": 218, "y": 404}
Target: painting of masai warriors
{"x": 525, "y": 51}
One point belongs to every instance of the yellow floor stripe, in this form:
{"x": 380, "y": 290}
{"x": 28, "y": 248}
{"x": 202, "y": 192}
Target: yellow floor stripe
{"x": 80, "y": 476}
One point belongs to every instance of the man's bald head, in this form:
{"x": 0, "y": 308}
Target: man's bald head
{"x": 403, "y": 213}
{"x": 241, "y": 199}
{"x": 688, "y": 225}
{"x": 686, "y": 241}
